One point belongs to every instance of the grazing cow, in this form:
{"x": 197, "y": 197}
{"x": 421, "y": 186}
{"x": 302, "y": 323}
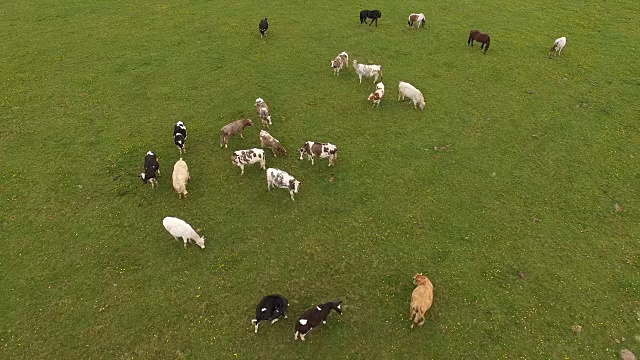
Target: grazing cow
{"x": 376, "y": 96}
{"x": 151, "y": 169}
{"x": 421, "y": 299}
{"x": 339, "y": 62}
{"x": 279, "y": 178}
{"x": 272, "y": 143}
{"x": 270, "y": 308}
{"x": 374, "y": 15}
{"x": 315, "y": 316}
{"x": 319, "y": 150}
{"x": 557, "y": 47}
{"x": 180, "y": 177}
{"x": 264, "y": 26}
{"x": 179, "y": 228}
{"x": 180, "y": 136}
{"x": 232, "y": 128}
{"x": 408, "y": 90}
{"x": 263, "y": 111}
{"x": 367, "y": 71}
{"x": 419, "y": 19}
{"x": 480, "y": 37}
{"x": 248, "y": 157}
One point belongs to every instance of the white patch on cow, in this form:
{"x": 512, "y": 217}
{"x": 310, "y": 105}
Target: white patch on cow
{"x": 149, "y": 152}
{"x": 318, "y": 307}
{"x": 339, "y": 307}
{"x": 263, "y": 309}
{"x": 303, "y": 321}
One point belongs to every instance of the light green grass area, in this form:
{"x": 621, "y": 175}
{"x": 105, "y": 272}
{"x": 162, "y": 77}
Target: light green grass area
{"x": 540, "y": 152}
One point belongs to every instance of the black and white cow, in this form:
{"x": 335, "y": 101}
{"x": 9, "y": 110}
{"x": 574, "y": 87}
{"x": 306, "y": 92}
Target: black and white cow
{"x": 270, "y": 308}
{"x": 319, "y": 150}
{"x": 180, "y": 136}
{"x": 241, "y": 158}
{"x": 279, "y": 178}
{"x": 315, "y": 316}
{"x": 151, "y": 169}
{"x": 374, "y": 15}
{"x": 264, "y": 26}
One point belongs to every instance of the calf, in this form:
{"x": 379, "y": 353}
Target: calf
{"x": 180, "y": 136}
{"x": 557, "y": 47}
{"x": 376, "y": 96}
{"x": 263, "y": 111}
{"x": 374, "y": 15}
{"x": 151, "y": 169}
{"x": 179, "y": 228}
{"x": 421, "y": 299}
{"x": 272, "y": 143}
{"x": 180, "y": 177}
{"x": 367, "y": 71}
{"x": 315, "y": 316}
{"x": 279, "y": 178}
{"x": 264, "y": 26}
{"x": 270, "y": 308}
{"x": 419, "y": 19}
{"x": 408, "y": 90}
{"x": 248, "y": 157}
{"x": 232, "y": 128}
{"x": 319, "y": 150}
{"x": 339, "y": 62}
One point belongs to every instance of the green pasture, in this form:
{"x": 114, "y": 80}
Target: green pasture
{"x": 534, "y": 154}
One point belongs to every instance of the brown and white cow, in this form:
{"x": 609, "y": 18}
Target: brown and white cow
{"x": 319, "y": 150}
{"x": 419, "y": 19}
{"x": 241, "y": 158}
{"x": 267, "y": 140}
{"x": 339, "y": 62}
{"x": 263, "y": 111}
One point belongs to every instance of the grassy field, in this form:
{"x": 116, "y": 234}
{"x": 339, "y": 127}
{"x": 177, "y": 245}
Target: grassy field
{"x": 540, "y": 151}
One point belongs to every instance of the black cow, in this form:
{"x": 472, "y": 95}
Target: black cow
{"x": 151, "y": 169}
{"x": 314, "y": 317}
{"x": 264, "y": 26}
{"x": 374, "y": 15}
{"x": 180, "y": 136}
{"x": 270, "y": 308}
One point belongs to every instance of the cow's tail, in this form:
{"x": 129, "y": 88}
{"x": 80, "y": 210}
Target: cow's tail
{"x": 486, "y": 47}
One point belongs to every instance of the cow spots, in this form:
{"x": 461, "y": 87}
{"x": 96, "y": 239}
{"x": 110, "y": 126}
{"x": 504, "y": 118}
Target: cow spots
{"x": 303, "y": 321}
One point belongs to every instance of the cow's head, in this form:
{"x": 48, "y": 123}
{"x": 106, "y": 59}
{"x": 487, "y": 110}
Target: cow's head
{"x": 247, "y": 122}
{"x": 419, "y": 279}
{"x": 200, "y": 242}
{"x": 337, "y": 306}
{"x": 421, "y": 105}
{"x": 294, "y": 185}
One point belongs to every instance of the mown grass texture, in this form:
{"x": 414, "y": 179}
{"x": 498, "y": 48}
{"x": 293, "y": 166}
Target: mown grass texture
{"x": 539, "y": 153}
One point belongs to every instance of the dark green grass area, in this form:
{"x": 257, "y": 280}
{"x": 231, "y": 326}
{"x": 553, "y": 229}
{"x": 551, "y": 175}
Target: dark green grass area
{"x": 537, "y": 153}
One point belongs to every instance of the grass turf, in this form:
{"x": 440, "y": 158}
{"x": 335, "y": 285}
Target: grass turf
{"x": 541, "y": 150}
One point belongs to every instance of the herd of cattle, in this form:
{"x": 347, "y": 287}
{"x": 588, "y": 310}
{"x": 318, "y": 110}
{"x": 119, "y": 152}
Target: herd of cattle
{"x": 273, "y": 307}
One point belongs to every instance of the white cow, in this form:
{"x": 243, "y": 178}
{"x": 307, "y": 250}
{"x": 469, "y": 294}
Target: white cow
{"x": 557, "y": 47}
{"x": 408, "y": 90}
{"x": 279, "y": 178}
{"x": 179, "y": 228}
{"x": 248, "y": 157}
{"x": 367, "y": 71}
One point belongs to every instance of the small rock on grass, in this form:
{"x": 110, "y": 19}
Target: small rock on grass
{"x": 577, "y": 329}
{"x": 618, "y": 208}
